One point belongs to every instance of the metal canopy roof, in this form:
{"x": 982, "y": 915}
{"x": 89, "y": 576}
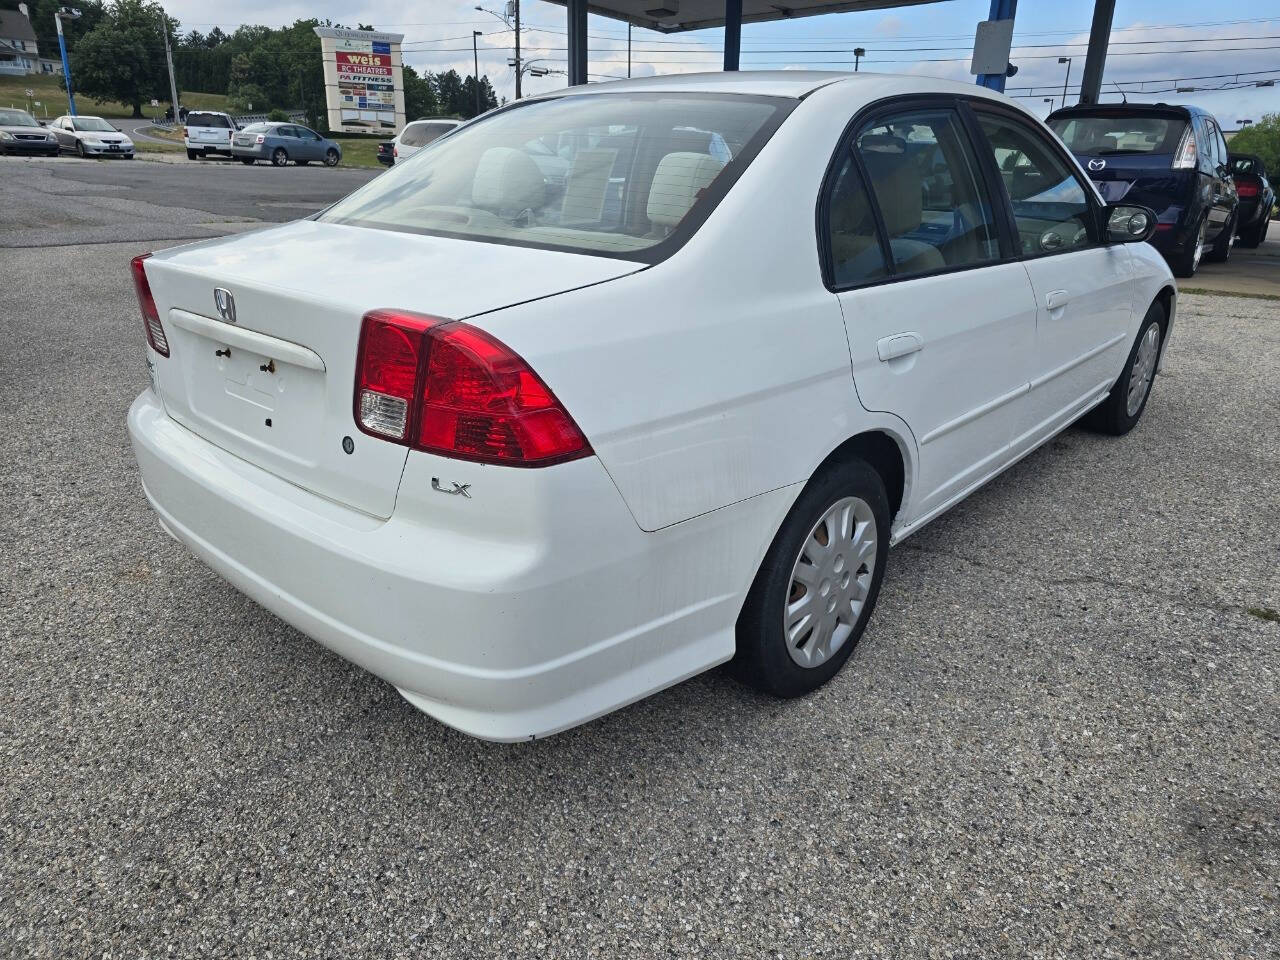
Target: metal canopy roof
{"x": 673, "y": 16}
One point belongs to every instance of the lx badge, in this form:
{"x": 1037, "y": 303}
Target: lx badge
{"x": 458, "y": 488}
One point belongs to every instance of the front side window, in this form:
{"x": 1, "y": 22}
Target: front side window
{"x": 923, "y": 176}
{"x": 1049, "y": 204}
{"x": 624, "y": 175}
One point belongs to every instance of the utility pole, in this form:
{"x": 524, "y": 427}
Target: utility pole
{"x": 628, "y": 51}
{"x": 475, "y": 60}
{"x": 858, "y": 54}
{"x": 67, "y": 13}
{"x": 516, "y": 4}
{"x": 168, "y": 56}
{"x": 1065, "y": 80}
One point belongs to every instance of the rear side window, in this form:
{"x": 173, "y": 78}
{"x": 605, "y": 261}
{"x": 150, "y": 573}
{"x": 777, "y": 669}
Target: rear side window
{"x": 853, "y": 243}
{"x": 1049, "y": 204}
{"x": 1104, "y": 136}
{"x": 922, "y": 174}
{"x": 208, "y": 120}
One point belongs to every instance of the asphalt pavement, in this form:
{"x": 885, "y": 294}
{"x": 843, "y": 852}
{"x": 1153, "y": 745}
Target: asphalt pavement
{"x": 1058, "y": 738}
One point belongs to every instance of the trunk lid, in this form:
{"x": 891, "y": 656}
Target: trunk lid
{"x": 1149, "y": 179}
{"x": 276, "y": 386}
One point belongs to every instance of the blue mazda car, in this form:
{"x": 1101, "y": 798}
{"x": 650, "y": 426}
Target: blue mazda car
{"x": 1172, "y": 159}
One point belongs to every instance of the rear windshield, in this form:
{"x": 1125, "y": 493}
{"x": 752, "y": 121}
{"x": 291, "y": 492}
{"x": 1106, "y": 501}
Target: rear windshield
{"x": 1245, "y": 165}
{"x": 16, "y": 118}
{"x": 256, "y": 128}
{"x": 620, "y": 175}
{"x": 420, "y": 134}
{"x": 1106, "y": 136}
{"x": 208, "y": 120}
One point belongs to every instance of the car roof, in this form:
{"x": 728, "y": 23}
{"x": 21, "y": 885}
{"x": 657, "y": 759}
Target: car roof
{"x": 454, "y": 120}
{"x": 1129, "y": 109}
{"x": 795, "y": 84}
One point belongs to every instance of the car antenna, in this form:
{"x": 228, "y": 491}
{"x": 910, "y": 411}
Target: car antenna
{"x": 1121, "y": 92}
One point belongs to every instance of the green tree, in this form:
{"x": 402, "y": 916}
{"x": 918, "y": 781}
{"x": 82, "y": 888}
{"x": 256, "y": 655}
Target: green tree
{"x": 122, "y": 58}
{"x": 1262, "y": 139}
{"x": 419, "y": 95}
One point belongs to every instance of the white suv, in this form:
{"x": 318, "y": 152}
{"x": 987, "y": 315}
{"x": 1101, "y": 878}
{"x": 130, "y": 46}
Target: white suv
{"x": 418, "y": 134}
{"x": 206, "y": 132}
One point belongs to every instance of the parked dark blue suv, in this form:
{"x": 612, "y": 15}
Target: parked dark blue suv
{"x": 1172, "y": 159}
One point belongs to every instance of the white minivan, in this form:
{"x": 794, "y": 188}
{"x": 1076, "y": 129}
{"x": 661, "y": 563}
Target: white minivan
{"x": 533, "y": 451}
{"x": 207, "y": 131}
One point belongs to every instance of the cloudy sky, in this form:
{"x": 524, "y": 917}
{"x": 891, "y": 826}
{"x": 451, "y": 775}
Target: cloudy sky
{"x": 1156, "y": 45}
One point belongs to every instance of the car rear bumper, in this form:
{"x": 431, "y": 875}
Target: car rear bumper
{"x": 533, "y": 605}
{"x": 259, "y": 151}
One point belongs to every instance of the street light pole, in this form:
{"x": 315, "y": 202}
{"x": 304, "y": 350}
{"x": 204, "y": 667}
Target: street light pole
{"x": 1067, "y": 79}
{"x": 475, "y": 59}
{"x": 516, "y": 4}
{"x": 858, "y": 54}
{"x": 69, "y": 13}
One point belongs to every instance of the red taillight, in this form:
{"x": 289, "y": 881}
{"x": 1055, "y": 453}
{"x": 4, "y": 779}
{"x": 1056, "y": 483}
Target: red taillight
{"x": 395, "y": 151}
{"x": 446, "y": 387}
{"x": 1246, "y": 188}
{"x": 186, "y": 132}
{"x": 150, "y": 315}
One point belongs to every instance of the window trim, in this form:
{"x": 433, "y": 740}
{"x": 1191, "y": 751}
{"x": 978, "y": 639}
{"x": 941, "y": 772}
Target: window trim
{"x": 871, "y": 112}
{"x": 973, "y": 106}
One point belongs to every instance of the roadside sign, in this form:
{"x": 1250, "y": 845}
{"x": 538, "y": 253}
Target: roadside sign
{"x": 155, "y": 102}
{"x": 37, "y": 103}
{"x": 30, "y": 92}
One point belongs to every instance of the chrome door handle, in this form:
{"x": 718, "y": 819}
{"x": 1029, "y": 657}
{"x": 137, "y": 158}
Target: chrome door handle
{"x": 898, "y": 345}
{"x": 1057, "y": 299}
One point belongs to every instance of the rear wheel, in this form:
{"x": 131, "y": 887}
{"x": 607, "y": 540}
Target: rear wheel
{"x": 331, "y": 157}
{"x": 1121, "y": 411}
{"x": 193, "y": 154}
{"x": 1187, "y": 263}
{"x": 818, "y": 584}
{"x": 280, "y": 157}
{"x": 1220, "y": 252}
{"x": 1253, "y": 236}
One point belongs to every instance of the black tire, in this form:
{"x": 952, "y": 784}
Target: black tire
{"x": 762, "y": 658}
{"x": 1253, "y": 236}
{"x": 1112, "y": 415}
{"x": 193, "y": 154}
{"x": 1220, "y": 252}
{"x": 1186, "y": 263}
{"x": 247, "y": 161}
{"x": 80, "y": 150}
{"x": 279, "y": 157}
{"x": 331, "y": 157}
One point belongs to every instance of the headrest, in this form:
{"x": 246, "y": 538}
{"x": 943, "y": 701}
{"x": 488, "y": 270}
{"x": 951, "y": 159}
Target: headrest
{"x": 508, "y": 181}
{"x": 897, "y": 189}
{"x": 676, "y": 183}
{"x": 882, "y": 143}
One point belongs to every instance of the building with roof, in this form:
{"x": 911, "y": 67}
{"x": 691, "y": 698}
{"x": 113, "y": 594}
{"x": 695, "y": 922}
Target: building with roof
{"x": 19, "y": 51}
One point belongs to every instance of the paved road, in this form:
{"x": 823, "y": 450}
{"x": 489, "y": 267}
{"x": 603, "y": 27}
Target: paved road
{"x": 90, "y": 201}
{"x": 1057, "y": 740}
{"x": 1254, "y": 271}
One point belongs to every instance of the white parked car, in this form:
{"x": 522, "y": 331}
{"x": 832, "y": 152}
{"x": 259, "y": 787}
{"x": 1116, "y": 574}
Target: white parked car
{"x": 545, "y": 452}
{"x": 90, "y": 137}
{"x": 419, "y": 134}
{"x": 206, "y": 132}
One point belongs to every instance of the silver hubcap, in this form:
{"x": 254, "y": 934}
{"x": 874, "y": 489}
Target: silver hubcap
{"x": 1144, "y": 368}
{"x": 830, "y": 581}
{"x": 1195, "y": 259}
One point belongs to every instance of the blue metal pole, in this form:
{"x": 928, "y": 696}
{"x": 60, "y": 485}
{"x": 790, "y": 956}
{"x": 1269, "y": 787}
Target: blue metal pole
{"x": 66, "y": 66}
{"x": 1000, "y": 10}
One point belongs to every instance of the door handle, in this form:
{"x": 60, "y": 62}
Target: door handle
{"x": 898, "y": 345}
{"x": 1057, "y": 299}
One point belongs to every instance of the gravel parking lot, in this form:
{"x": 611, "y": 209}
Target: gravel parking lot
{"x": 1059, "y": 737}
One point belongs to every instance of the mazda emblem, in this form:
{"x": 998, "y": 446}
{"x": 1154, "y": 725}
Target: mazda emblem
{"x": 1097, "y": 164}
{"x": 226, "y": 304}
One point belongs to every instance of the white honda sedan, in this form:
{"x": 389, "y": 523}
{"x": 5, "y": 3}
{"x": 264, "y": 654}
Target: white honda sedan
{"x": 533, "y": 448}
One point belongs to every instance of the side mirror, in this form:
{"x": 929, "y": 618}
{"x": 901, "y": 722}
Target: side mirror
{"x": 1129, "y": 223}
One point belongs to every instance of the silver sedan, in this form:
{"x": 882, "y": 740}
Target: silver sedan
{"x": 282, "y": 142}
